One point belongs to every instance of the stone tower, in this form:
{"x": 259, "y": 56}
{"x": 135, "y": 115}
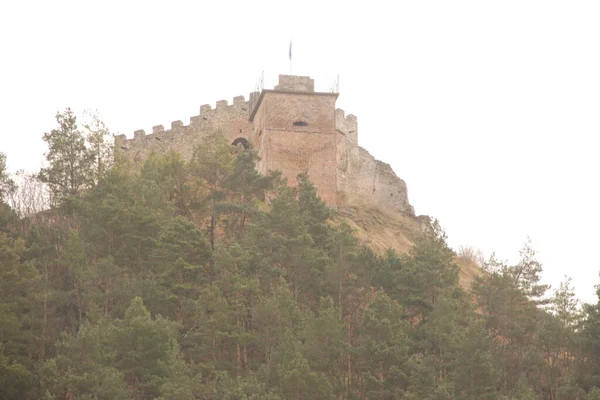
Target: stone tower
{"x": 294, "y": 131}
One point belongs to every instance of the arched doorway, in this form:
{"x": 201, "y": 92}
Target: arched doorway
{"x": 241, "y": 141}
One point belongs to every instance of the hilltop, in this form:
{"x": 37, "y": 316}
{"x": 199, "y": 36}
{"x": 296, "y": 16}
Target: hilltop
{"x": 297, "y": 129}
{"x": 201, "y": 278}
{"x": 382, "y": 228}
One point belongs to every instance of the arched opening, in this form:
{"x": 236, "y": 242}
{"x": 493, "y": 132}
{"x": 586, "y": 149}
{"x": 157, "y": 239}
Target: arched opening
{"x": 241, "y": 142}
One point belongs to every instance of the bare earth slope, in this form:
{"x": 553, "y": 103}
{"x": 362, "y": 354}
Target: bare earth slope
{"x": 381, "y": 228}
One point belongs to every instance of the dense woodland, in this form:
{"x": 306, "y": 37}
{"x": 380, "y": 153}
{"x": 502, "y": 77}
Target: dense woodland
{"x": 205, "y": 280}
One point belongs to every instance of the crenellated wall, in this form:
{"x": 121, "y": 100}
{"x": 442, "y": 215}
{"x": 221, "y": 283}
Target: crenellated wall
{"x": 231, "y": 120}
{"x": 347, "y": 125}
{"x": 325, "y": 144}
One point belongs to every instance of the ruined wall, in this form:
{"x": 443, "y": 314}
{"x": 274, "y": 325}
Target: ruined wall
{"x": 376, "y": 181}
{"x": 361, "y": 175}
{"x": 346, "y": 148}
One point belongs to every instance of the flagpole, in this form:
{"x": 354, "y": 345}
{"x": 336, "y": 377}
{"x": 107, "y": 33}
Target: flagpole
{"x": 290, "y": 56}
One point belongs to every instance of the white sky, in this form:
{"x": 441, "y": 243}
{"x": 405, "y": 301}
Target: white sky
{"x": 489, "y": 110}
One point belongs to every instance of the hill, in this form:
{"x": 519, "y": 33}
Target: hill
{"x": 205, "y": 279}
{"x": 382, "y": 228}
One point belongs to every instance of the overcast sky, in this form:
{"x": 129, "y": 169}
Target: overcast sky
{"x": 489, "y": 110}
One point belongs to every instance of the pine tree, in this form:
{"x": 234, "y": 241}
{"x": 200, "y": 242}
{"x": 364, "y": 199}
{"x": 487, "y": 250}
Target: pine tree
{"x": 323, "y": 344}
{"x": 564, "y": 305}
{"x": 507, "y": 302}
{"x": 212, "y": 165}
{"x": 131, "y": 358}
{"x": 70, "y": 163}
{"x": 18, "y": 280}
{"x": 181, "y": 259}
{"x": 100, "y": 145}
{"x": 526, "y": 274}
{"x": 15, "y": 380}
{"x": 7, "y": 185}
{"x": 272, "y": 317}
{"x": 283, "y": 246}
{"x": 476, "y": 372}
{"x": 293, "y": 374}
{"x": 246, "y": 188}
{"x": 589, "y": 368}
{"x": 384, "y": 350}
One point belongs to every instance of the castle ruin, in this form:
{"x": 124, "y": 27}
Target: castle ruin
{"x": 294, "y": 129}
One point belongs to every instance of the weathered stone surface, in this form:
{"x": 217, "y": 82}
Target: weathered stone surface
{"x": 294, "y": 129}
{"x": 293, "y": 83}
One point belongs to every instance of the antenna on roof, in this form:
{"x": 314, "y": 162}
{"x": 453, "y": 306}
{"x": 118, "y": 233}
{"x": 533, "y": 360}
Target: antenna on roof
{"x": 335, "y": 86}
{"x": 260, "y": 82}
{"x": 290, "y": 56}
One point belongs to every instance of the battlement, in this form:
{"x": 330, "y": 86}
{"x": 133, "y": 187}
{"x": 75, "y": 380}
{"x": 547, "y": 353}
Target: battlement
{"x": 239, "y": 103}
{"x": 230, "y": 119}
{"x": 207, "y": 115}
{"x": 223, "y": 110}
{"x": 346, "y": 124}
{"x": 140, "y": 134}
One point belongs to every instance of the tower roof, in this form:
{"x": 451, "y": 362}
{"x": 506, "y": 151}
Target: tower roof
{"x": 292, "y": 84}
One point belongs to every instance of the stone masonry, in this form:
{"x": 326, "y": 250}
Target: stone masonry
{"x": 294, "y": 129}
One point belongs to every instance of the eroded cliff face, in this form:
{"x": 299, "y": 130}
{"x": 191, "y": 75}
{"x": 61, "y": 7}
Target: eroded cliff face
{"x": 361, "y": 175}
{"x": 340, "y": 169}
{"x": 376, "y": 182}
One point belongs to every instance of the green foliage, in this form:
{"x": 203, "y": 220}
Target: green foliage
{"x": 476, "y": 372}
{"x": 524, "y": 276}
{"x": 323, "y": 345}
{"x": 283, "y": 239}
{"x": 527, "y": 273}
{"x": 69, "y": 161}
{"x": 564, "y": 305}
{"x": 206, "y": 280}
{"x": 15, "y": 379}
{"x": 115, "y": 359}
{"x": 594, "y": 394}
{"x": 18, "y": 283}
{"x": 420, "y": 279}
{"x": 293, "y": 375}
{"x": 7, "y": 185}
{"x": 99, "y": 143}
{"x": 385, "y": 349}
